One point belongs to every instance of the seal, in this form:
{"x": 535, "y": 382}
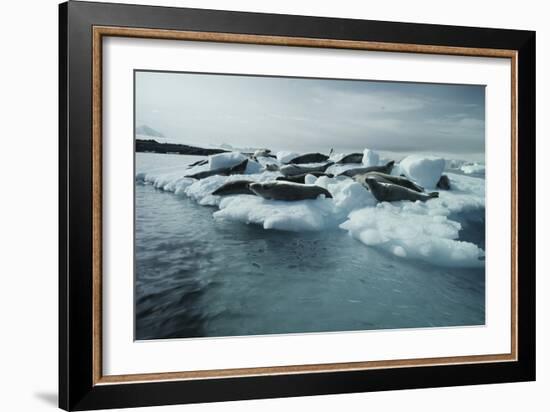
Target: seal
{"x": 262, "y": 153}
{"x": 385, "y": 178}
{"x": 351, "y": 158}
{"x": 288, "y": 191}
{"x": 444, "y": 183}
{"x": 309, "y": 158}
{"x": 302, "y": 178}
{"x": 293, "y": 170}
{"x": 237, "y": 187}
{"x": 389, "y": 192}
{"x": 224, "y": 171}
{"x": 387, "y": 168}
{"x": 271, "y": 167}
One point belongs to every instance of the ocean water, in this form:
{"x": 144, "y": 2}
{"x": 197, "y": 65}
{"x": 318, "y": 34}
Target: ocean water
{"x": 197, "y": 276}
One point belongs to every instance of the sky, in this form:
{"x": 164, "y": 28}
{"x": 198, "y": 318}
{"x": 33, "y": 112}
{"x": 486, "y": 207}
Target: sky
{"x": 309, "y": 115}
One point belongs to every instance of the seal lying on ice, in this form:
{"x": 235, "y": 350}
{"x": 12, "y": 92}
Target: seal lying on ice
{"x": 385, "y": 178}
{"x": 237, "y": 187}
{"x": 293, "y": 170}
{"x": 389, "y": 192}
{"x": 309, "y": 158}
{"x": 387, "y": 168}
{"x": 302, "y": 178}
{"x": 351, "y": 158}
{"x": 271, "y": 167}
{"x": 262, "y": 153}
{"x": 288, "y": 191}
{"x": 224, "y": 171}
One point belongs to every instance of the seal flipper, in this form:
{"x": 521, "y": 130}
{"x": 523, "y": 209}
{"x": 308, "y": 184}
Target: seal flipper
{"x": 327, "y": 195}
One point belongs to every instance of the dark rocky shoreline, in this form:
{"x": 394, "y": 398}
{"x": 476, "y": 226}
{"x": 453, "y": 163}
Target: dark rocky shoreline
{"x": 152, "y": 146}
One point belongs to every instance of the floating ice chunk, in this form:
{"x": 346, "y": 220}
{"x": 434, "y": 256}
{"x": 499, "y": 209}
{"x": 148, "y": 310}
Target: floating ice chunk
{"x": 370, "y": 158}
{"x": 253, "y": 167}
{"x": 223, "y": 160}
{"x": 163, "y": 181}
{"x": 286, "y": 156}
{"x": 305, "y": 215}
{"x": 172, "y": 185}
{"x": 425, "y": 170}
{"x": 347, "y": 194}
{"x": 182, "y": 184}
{"x": 473, "y": 168}
{"x": 409, "y": 230}
{"x": 399, "y": 251}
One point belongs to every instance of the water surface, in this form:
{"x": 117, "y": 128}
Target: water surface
{"x": 201, "y": 277}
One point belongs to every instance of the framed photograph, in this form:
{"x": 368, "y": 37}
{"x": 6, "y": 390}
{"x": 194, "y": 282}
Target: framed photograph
{"x": 256, "y": 205}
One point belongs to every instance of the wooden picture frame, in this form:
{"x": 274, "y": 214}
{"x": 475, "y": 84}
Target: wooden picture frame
{"x": 82, "y": 385}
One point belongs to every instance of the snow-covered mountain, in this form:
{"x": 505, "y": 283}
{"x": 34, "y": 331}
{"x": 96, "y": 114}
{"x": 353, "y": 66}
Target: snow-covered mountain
{"x": 146, "y": 131}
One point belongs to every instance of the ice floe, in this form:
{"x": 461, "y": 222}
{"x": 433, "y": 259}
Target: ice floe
{"x": 428, "y": 231}
{"x": 275, "y": 214}
{"x": 413, "y": 230}
{"x": 425, "y": 170}
{"x": 370, "y": 158}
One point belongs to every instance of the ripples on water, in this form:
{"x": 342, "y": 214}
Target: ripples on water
{"x": 199, "y": 277}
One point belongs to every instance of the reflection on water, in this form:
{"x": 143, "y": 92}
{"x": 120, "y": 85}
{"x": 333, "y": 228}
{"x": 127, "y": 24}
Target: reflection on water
{"x": 198, "y": 277}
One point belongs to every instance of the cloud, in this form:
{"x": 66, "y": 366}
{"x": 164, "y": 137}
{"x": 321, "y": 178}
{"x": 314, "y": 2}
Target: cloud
{"x": 312, "y": 114}
{"x": 368, "y": 102}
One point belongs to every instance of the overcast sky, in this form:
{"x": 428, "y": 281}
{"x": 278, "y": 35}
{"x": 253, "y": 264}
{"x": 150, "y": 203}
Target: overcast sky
{"x": 313, "y": 115}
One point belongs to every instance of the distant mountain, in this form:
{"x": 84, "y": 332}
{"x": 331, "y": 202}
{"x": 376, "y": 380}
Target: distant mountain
{"x": 145, "y": 130}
